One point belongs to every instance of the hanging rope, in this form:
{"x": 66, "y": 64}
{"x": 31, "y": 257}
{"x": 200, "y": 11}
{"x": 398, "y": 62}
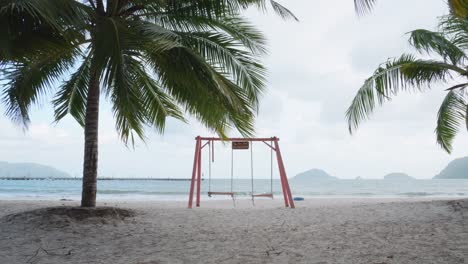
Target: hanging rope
{"x": 251, "y": 168}
{"x": 271, "y": 169}
{"x": 232, "y": 169}
{"x": 209, "y": 166}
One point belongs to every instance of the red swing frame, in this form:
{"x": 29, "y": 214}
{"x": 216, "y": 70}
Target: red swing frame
{"x": 202, "y": 142}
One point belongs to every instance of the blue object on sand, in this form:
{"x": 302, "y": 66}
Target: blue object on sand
{"x": 298, "y": 199}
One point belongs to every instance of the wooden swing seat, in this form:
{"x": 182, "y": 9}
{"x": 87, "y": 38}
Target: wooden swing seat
{"x": 221, "y": 193}
{"x": 269, "y": 195}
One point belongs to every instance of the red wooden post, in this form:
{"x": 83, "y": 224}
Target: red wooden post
{"x": 199, "y": 173}
{"x": 283, "y": 175}
{"x": 195, "y": 161}
{"x": 283, "y": 186}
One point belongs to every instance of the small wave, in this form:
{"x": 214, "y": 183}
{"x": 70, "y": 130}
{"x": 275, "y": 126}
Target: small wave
{"x": 365, "y": 194}
{"x": 138, "y": 192}
{"x": 412, "y": 194}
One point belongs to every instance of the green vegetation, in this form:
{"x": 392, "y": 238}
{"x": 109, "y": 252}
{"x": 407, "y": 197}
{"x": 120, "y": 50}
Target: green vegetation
{"x": 29, "y": 170}
{"x": 150, "y": 59}
{"x": 409, "y": 73}
{"x": 457, "y": 8}
{"x": 398, "y": 176}
{"x": 457, "y": 169}
{"x": 313, "y": 175}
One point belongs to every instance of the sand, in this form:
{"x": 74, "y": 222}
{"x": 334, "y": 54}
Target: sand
{"x": 317, "y": 231}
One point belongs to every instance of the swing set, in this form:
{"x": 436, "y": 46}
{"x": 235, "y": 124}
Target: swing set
{"x": 238, "y": 144}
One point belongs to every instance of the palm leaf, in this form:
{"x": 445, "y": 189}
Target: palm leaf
{"x": 364, "y": 6}
{"x": 396, "y": 75}
{"x": 242, "y": 31}
{"x": 458, "y": 8}
{"x": 428, "y": 41}
{"x": 220, "y": 51}
{"x": 452, "y": 113}
{"x": 71, "y": 96}
{"x": 202, "y": 91}
{"x": 208, "y": 8}
{"x": 31, "y": 79}
{"x": 282, "y": 11}
{"x": 457, "y": 28}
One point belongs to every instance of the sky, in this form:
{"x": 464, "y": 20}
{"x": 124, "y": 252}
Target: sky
{"x": 315, "y": 68}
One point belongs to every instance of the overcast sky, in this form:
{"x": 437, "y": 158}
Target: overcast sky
{"x": 315, "y": 68}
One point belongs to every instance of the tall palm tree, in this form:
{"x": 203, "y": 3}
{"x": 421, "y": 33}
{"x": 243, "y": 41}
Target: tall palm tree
{"x": 408, "y": 73}
{"x": 151, "y": 59}
{"x": 458, "y": 8}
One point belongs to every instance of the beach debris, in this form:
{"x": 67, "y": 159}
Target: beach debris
{"x": 458, "y": 205}
{"x": 48, "y": 252}
{"x": 273, "y": 251}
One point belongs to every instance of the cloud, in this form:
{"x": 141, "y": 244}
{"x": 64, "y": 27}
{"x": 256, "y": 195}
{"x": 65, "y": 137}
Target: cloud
{"x": 315, "y": 68}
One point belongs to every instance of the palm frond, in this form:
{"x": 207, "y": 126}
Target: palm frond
{"x": 126, "y": 101}
{"x": 403, "y": 73}
{"x": 240, "y": 66}
{"x": 158, "y": 105}
{"x": 137, "y": 99}
{"x": 460, "y": 86}
{"x": 29, "y": 80}
{"x": 29, "y": 31}
{"x": 71, "y": 96}
{"x": 237, "y": 27}
{"x": 209, "y": 8}
{"x": 58, "y": 14}
{"x": 364, "y": 6}
{"x": 428, "y": 41}
{"x": 205, "y": 93}
{"x": 282, "y": 11}
{"x": 457, "y": 28}
{"x": 452, "y": 113}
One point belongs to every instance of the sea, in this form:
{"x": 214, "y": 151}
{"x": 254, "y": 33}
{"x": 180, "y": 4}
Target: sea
{"x": 148, "y": 189}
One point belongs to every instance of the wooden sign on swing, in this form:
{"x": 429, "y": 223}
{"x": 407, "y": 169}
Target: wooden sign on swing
{"x": 240, "y": 145}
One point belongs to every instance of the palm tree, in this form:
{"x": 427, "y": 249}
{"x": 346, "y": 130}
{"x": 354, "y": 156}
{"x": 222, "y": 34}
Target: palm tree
{"x": 408, "y": 73}
{"x": 458, "y": 8}
{"x": 151, "y": 59}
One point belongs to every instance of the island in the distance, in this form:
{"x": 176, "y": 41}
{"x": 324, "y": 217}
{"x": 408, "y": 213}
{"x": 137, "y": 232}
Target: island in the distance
{"x": 29, "y": 170}
{"x": 314, "y": 175}
{"x": 398, "y": 176}
{"x": 457, "y": 169}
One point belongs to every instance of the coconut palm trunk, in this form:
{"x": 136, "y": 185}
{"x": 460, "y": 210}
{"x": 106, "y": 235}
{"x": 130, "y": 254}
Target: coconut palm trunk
{"x": 90, "y": 161}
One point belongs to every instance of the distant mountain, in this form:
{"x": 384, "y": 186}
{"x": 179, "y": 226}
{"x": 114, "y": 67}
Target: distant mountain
{"x": 398, "y": 176}
{"x": 22, "y": 170}
{"x": 313, "y": 174}
{"x": 457, "y": 169}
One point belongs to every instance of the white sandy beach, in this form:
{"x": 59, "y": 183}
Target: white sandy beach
{"x": 317, "y": 231}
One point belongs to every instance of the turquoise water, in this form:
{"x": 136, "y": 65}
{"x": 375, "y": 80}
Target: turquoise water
{"x": 178, "y": 190}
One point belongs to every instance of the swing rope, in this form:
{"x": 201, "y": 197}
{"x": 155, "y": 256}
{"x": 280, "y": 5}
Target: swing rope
{"x": 211, "y": 160}
{"x": 231, "y": 193}
{"x": 251, "y": 168}
{"x": 271, "y": 171}
{"x": 209, "y": 167}
{"x": 271, "y": 175}
{"x": 232, "y": 169}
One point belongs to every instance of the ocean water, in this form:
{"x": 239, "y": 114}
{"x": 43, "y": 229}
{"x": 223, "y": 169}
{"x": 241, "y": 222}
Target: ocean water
{"x": 178, "y": 190}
